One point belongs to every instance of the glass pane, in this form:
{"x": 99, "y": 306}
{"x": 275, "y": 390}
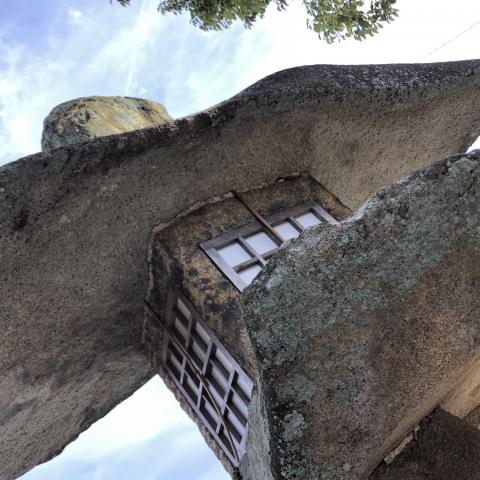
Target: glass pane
{"x": 308, "y": 220}
{"x": 209, "y": 412}
{"x": 235, "y": 427}
{"x": 220, "y": 362}
{"x": 234, "y": 254}
{"x": 261, "y": 242}
{"x": 225, "y": 440}
{"x": 198, "y": 354}
{"x": 244, "y": 386}
{"x": 197, "y": 339}
{"x": 180, "y": 326}
{"x": 190, "y": 390}
{"x": 183, "y": 309}
{"x": 249, "y": 274}
{"x": 218, "y": 380}
{"x": 174, "y": 358}
{"x": 287, "y": 230}
{"x": 192, "y": 383}
{"x": 239, "y": 408}
{"x": 202, "y": 333}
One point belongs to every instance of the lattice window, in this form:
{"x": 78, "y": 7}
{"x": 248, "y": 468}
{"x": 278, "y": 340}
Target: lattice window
{"x": 241, "y": 254}
{"x": 213, "y": 383}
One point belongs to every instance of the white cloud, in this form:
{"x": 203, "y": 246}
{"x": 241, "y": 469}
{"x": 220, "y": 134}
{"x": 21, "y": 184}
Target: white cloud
{"x": 144, "y": 437}
{"x": 132, "y": 422}
{"x": 74, "y": 16}
{"x": 134, "y": 51}
{"x": 476, "y": 145}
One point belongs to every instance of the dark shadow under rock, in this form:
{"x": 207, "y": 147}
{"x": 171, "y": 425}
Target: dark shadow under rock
{"x": 445, "y": 448}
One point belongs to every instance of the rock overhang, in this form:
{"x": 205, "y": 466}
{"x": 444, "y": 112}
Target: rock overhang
{"x": 76, "y": 223}
{"x": 375, "y": 321}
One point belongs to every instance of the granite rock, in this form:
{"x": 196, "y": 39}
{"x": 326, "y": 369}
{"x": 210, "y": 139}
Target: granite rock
{"x": 75, "y": 223}
{"x": 87, "y": 118}
{"x": 444, "y": 448}
{"x": 377, "y": 318}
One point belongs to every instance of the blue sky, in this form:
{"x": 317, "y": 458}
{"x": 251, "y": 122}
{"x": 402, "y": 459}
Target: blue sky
{"x": 144, "y": 438}
{"x": 55, "y": 50}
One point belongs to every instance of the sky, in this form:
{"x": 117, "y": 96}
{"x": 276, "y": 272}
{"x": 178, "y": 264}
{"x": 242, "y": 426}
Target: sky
{"x": 52, "y": 51}
{"x": 144, "y": 438}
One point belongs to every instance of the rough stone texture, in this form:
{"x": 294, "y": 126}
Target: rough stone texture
{"x": 75, "y": 224}
{"x": 362, "y": 328}
{"x": 445, "y": 448}
{"x": 176, "y": 261}
{"x": 87, "y": 118}
{"x": 473, "y": 418}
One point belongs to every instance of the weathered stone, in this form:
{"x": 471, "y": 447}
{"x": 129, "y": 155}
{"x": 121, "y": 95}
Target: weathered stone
{"x": 75, "y": 224}
{"x": 380, "y": 315}
{"x": 87, "y": 118}
{"x": 444, "y": 448}
{"x": 177, "y": 262}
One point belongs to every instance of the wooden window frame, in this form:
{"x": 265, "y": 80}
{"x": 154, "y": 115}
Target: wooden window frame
{"x": 211, "y": 247}
{"x": 231, "y": 406}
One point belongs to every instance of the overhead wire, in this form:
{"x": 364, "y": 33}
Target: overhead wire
{"x": 451, "y": 40}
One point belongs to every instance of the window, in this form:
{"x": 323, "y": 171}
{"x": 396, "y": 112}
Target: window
{"x": 213, "y": 383}
{"x": 240, "y": 255}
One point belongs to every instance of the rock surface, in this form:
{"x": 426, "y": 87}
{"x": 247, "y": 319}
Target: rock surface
{"x": 75, "y": 224}
{"x": 87, "y": 118}
{"x": 175, "y": 261}
{"x": 363, "y": 328}
{"x": 445, "y": 448}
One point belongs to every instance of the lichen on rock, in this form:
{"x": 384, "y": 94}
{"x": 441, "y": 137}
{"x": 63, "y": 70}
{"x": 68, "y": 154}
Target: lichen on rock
{"x": 87, "y": 118}
{"x": 380, "y": 314}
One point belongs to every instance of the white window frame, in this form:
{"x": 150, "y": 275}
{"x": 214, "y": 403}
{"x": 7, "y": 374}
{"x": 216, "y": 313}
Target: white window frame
{"x": 212, "y": 247}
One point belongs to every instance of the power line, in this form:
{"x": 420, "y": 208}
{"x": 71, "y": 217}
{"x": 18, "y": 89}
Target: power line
{"x": 451, "y": 40}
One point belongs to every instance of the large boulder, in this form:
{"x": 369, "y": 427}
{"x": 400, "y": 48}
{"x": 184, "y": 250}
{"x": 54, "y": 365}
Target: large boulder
{"x": 87, "y": 118}
{"x": 75, "y": 223}
{"x": 443, "y": 448}
{"x": 363, "y": 328}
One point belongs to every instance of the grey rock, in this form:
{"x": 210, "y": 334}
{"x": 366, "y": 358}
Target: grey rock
{"x": 444, "y": 448}
{"x": 75, "y": 224}
{"x": 380, "y": 314}
{"x": 87, "y": 118}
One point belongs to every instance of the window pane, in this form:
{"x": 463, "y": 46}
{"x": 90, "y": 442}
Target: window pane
{"x": 235, "y": 427}
{"x": 249, "y": 274}
{"x": 261, "y": 242}
{"x": 183, "y": 309}
{"x": 179, "y": 324}
{"x": 223, "y": 362}
{"x": 209, "y": 412}
{"x": 234, "y": 254}
{"x": 174, "y": 361}
{"x": 191, "y": 387}
{"x": 286, "y": 230}
{"x": 308, "y": 220}
{"x": 218, "y": 380}
{"x": 198, "y": 354}
{"x": 201, "y": 336}
{"x": 239, "y": 408}
{"x": 244, "y": 387}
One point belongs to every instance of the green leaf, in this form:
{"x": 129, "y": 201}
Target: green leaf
{"x": 333, "y": 20}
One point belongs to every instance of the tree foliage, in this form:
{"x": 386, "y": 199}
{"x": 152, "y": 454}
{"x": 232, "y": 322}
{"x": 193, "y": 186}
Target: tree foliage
{"x": 332, "y": 19}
